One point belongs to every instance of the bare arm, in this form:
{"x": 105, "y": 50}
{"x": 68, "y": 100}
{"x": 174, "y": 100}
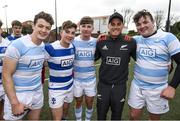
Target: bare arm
{"x": 9, "y": 67}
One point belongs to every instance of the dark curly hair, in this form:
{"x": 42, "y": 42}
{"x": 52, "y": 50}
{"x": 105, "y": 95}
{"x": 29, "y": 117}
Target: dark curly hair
{"x": 42, "y": 15}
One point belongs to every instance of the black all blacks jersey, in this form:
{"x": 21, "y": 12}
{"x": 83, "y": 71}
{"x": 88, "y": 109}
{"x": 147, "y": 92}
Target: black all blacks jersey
{"x": 115, "y": 55}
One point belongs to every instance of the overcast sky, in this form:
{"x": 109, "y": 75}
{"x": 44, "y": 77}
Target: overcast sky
{"x": 75, "y": 9}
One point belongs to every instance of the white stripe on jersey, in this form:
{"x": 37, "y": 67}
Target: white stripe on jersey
{"x": 60, "y": 85}
{"x": 56, "y": 60}
{"x": 154, "y": 80}
{"x": 82, "y": 63}
{"x": 30, "y": 88}
{"x": 85, "y": 75}
{"x": 63, "y": 73}
{"x": 173, "y": 46}
{"x": 21, "y": 73}
{"x": 158, "y": 65}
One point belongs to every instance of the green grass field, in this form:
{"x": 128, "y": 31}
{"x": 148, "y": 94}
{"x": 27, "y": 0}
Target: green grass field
{"x": 173, "y": 114}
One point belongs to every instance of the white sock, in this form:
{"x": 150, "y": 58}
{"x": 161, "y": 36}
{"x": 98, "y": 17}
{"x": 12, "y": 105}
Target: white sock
{"x": 88, "y": 114}
{"x": 78, "y": 113}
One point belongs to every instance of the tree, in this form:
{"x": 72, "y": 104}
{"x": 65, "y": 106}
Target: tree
{"x": 173, "y": 19}
{"x": 175, "y": 29}
{"x": 132, "y": 33}
{"x": 127, "y": 15}
{"x": 159, "y": 17}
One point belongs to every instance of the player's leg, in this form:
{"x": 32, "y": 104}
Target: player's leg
{"x": 154, "y": 116}
{"x": 103, "y": 100}
{"x": 89, "y": 107}
{"x": 36, "y": 105}
{"x": 68, "y": 100}
{"x": 65, "y": 110}
{"x": 90, "y": 92}
{"x": 57, "y": 113}
{"x": 117, "y": 101}
{"x": 78, "y": 94}
{"x": 34, "y": 114}
{"x": 135, "y": 114}
{"x": 136, "y": 102}
{"x": 56, "y": 101}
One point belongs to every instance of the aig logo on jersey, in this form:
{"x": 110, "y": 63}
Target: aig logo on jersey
{"x": 36, "y": 63}
{"x": 113, "y": 60}
{"x": 147, "y": 52}
{"x": 84, "y": 53}
{"x": 67, "y": 62}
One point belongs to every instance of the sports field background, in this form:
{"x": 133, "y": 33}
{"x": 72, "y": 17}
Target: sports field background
{"x": 173, "y": 114}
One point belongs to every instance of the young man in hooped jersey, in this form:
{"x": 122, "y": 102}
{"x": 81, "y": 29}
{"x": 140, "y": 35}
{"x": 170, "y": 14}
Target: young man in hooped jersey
{"x": 22, "y": 68}
{"x": 60, "y": 56}
{"x": 84, "y": 69}
{"x": 3, "y": 45}
{"x": 149, "y": 87}
{"x": 16, "y": 30}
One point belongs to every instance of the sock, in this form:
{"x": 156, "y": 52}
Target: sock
{"x": 64, "y": 119}
{"x": 88, "y": 114}
{"x": 78, "y": 113}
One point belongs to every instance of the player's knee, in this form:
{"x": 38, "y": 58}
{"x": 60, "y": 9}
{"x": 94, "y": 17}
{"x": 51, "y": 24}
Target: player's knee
{"x": 78, "y": 103}
{"x": 134, "y": 115}
{"x": 89, "y": 103}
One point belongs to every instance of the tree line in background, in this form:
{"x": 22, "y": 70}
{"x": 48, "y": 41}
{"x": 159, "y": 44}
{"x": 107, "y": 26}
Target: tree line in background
{"x": 159, "y": 17}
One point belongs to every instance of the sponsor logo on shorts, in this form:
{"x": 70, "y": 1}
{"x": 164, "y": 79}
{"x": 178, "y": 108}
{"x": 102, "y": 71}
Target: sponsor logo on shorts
{"x": 122, "y": 100}
{"x": 165, "y": 107}
{"x": 53, "y": 100}
{"x": 99, "y": 96}
{"x": 113, "y": 60}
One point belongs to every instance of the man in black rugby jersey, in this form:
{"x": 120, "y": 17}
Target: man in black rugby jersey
{"x": 115, "y": 53}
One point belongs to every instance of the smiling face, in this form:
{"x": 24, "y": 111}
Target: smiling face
{"x": 145, "y": 26}
{"x": 86, "y": 30}
{"x": 68, "y": 35}
{"x": 41, "y": 29}
{"x": 115, "y": 27}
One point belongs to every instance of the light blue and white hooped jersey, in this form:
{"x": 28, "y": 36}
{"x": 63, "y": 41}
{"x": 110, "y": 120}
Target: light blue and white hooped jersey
{"x": 30, "y": 59}
{"x": 153, "y": 58}
{"x": 3, "y": 45}
{"x": 60, "y": 62}
{"x": 84, "y": 69}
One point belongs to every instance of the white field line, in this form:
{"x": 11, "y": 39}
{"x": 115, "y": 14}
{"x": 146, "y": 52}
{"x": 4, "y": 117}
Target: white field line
{"x": 95, "y": 66}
